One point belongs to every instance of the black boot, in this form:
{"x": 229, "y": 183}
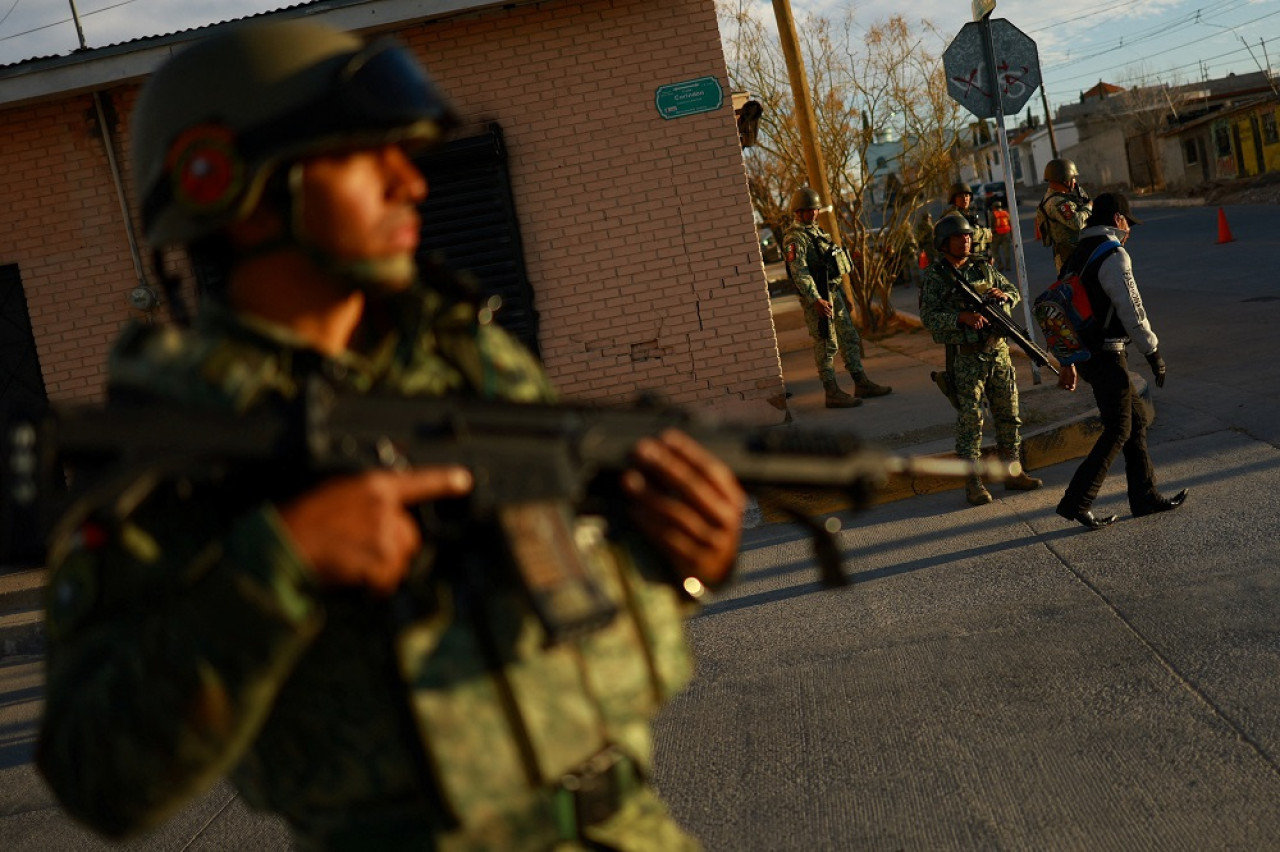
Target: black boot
{"x": 1158, "y": 504}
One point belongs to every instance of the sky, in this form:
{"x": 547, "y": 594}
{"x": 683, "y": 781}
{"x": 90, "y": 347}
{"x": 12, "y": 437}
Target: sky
{"x": 1122, "y": 42}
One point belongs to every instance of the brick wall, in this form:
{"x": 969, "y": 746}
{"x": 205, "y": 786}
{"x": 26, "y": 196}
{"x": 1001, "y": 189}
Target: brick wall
{"x": 637, "y": 230}
{"x": 62, "y": 225}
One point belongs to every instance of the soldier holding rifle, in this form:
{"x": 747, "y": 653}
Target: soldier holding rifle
{"x": 978, "y": 362}
{"x": 373, "y": 680}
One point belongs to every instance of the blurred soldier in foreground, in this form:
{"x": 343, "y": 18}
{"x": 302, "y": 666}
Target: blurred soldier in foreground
{"x": 978, "y": 362}
{"x": 372, "y": 680}
{"x": 960, "y": 200}
{"x": 815, "y": 265}
{"x": 1063, "y": 210}
{"x": 1114, "y": 297}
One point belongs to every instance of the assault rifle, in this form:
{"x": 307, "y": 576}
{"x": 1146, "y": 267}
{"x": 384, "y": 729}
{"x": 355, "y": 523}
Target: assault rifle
{"x": 534, "y": 467}
{"x": 990, "y": 310}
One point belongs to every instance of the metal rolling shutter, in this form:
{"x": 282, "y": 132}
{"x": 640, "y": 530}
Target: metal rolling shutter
{"x": 469, "y": 218}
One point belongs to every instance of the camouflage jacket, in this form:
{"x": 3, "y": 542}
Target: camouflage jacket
{"x": 1061, "y": 216}
{"x": 806, "y": 249}
{"x": 189, "y": 640}
{"x": 941, "y": 303}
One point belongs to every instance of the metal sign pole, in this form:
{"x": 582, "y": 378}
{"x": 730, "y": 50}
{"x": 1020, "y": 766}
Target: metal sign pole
{"x": 1018, "y": 260}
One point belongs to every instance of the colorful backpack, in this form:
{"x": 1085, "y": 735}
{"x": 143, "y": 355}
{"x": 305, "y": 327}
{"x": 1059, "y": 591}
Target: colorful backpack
{"x": 1064, "y": 313}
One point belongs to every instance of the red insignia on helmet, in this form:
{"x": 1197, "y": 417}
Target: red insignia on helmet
{"x": 205, "y": 170}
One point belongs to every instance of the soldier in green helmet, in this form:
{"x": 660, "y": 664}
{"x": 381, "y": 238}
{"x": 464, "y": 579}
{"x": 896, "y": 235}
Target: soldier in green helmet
{"x": 374, "y": 681}
{"x": 960, "y": 203}
{"x": 1063, "y": 211}
{"x": 978, "y": 362}
{"x": 814, "y": 265}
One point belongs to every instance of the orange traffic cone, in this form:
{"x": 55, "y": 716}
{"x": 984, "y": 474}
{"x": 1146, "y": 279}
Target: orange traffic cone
{"x": 1224, "y": 230}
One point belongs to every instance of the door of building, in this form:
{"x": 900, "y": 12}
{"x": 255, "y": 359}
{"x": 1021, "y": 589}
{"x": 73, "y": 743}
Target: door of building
{"x": 22, "y": 392}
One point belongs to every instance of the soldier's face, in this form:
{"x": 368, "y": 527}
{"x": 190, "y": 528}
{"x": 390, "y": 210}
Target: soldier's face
{"x": 963, "y": 200}
{"x": 806, "y": 217}
{"x": 360, "y": 205}
{"x": 958, "y": 245}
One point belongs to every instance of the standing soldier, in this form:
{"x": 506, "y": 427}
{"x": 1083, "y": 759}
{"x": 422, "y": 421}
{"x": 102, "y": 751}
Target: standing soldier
{"x": 376, "y": 682}
{"x": 1063, "y": 210}
{"x": 977, "y": 355}
{"x": 1002, "y": 239}
{"x": 961, "y": 201}
{"x": 815, "y": 265}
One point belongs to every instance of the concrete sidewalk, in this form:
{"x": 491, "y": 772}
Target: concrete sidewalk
{"x": 915, "y": 419}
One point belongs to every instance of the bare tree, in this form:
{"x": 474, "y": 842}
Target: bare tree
{"x": 885, "y": 122}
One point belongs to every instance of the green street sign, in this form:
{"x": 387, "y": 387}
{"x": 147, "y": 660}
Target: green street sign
{"x": 689, "y": 98}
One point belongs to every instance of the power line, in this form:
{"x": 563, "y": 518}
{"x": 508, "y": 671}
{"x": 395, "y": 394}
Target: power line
{"x": 61, "y": 22}
{"x": 10, "y": 12}
{"x": 1168, "y": 28}
{"x": 1197, "y": 64}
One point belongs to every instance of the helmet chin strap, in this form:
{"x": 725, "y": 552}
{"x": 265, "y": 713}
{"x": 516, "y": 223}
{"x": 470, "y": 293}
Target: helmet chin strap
{"x": 377, "y": 276}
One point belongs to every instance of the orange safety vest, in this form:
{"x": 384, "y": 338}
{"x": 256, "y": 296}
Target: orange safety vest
{"x": 1002, "y": 222}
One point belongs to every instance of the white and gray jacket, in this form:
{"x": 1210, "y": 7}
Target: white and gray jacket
{"x": 1115, "y": 277}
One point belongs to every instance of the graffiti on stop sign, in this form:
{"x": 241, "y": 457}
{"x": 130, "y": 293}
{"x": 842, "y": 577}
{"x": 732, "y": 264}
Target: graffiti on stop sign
{"x": 1017, "y": 69}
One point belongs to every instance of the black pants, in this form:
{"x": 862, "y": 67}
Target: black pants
{"x": 1124, "y": 429}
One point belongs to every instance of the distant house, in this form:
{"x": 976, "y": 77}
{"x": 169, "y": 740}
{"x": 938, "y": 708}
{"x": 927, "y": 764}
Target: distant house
{"x": 1223, "y": 134}
{"x": 1158, "y": 137}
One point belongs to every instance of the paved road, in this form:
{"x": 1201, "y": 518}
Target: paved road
{"x": 996, "y": 678}
{"x": 999, "y": 679}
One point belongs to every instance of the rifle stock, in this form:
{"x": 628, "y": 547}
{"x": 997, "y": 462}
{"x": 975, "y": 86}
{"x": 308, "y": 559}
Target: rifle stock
{"x": 522, "y": 456}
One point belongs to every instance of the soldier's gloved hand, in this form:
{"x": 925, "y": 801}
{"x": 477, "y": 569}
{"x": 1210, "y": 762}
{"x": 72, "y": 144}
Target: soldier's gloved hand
{"x": 1157, "y": 367}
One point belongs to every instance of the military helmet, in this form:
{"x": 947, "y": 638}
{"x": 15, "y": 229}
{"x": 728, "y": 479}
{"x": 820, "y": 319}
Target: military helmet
{"x": 1060, "y": 171}
{"x": 949, "y": 226}
{"x": 805, "y": 198}
{"x": 958, "y": 188}
{"x": 214, "y": 122}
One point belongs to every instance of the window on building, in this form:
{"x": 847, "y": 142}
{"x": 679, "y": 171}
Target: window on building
{"x": 1270, "y": 134}
{"x": 1189, "y": 155}
{"x": 1222, "y": 140}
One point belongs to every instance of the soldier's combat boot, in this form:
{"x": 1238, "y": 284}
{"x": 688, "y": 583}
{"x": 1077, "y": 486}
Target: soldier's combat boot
{"x": 1022, "y": 482}
{"x": 1019, "y": 481}
{"x": 837, "y": 398}
{"x": 975, "y": 492}
{"x": 865, "y": 387}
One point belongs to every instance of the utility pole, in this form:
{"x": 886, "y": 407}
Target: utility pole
{"x": 807, "y": 125}
{"x": 1048, "y": 119}
{"x": 1019, "y": 260}
{"x": 75, "y": 16}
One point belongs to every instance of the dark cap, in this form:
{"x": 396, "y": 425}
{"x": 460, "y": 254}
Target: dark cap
{"x": 1107, "y": 205}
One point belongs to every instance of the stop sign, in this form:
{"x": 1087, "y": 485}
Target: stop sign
{"x": 969, "y": 80}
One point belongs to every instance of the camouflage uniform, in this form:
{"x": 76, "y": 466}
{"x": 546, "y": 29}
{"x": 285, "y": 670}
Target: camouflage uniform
{"x": 978, "y": 361}
{"x": 1061, "y": 216}
{"x": 805, "y": 249}
{"x": 189, "y": 640}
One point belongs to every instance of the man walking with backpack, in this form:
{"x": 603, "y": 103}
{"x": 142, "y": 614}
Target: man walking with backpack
{"x": 1115, "y": 301}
